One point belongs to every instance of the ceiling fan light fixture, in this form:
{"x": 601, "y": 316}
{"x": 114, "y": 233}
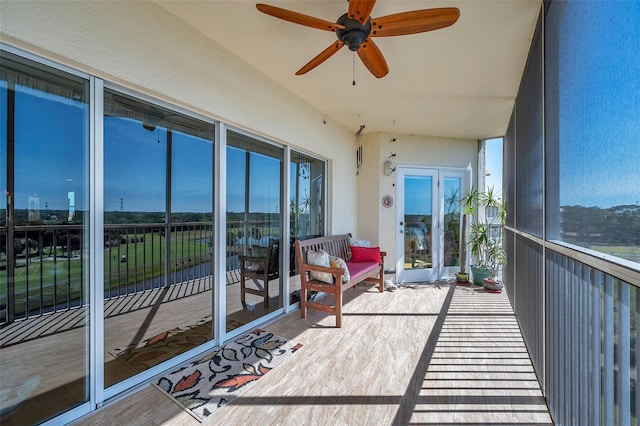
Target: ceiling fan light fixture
{"x": 354, "y": 33}
{"x": 354, "y": 39}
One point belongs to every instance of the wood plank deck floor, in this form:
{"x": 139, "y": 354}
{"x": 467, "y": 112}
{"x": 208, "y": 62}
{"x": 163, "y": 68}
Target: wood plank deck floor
{"x": 423, "y": 354}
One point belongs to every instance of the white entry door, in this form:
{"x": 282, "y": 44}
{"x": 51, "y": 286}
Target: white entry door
{"x": 428, "y": 213}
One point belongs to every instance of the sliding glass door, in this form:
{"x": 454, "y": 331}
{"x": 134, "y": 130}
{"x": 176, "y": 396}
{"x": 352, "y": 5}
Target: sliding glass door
{"x": 108, "y": 214}
{"x": 158, "y": 234}
{"x": 44, "y": 241}
{"x": 254, "y": 229}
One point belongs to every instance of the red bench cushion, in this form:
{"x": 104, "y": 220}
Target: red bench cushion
{"x": 357, "y": 269}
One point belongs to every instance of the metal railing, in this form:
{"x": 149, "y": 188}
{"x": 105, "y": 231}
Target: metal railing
{"x": 42, "y": 267}
{"x": 579, "y": 316}
{"x": 141, "y": 257}
{"x": 43, "y": 271}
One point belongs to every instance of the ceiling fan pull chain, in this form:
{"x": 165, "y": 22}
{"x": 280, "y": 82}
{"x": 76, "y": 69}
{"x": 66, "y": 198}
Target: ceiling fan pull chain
{"x": 354, "y": 68}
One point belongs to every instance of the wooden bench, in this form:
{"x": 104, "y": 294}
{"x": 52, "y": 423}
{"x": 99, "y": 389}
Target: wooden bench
{"x": 337, "y": 245}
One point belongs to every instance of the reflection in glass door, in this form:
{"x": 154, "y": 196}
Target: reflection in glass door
{"x": 452, "y": 190}
{"x": 158, "y": 233}
{"x": 428, "y": 209}
{"x": 254, "y": 229}
{"x": 44, "y": 248}
{"x": 306, "y": 208}
{"x": 416, "y": 189}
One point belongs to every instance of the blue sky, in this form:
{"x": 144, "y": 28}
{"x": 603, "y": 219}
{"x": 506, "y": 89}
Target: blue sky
{"x": 264, "y": 182}
{"x": 599, "y": 104}
{"x": 49, "y": 149}
{"x": 493, "y": 159}
{"x": 417, "y": 195}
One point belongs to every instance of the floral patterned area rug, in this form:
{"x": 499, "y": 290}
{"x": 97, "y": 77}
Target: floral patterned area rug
{"x": 219, "y": 377}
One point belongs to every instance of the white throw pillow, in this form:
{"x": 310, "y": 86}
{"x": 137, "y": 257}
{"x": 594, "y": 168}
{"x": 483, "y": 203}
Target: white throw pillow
{"x": 319, "y": 258}
{"x": 359, "y": 243}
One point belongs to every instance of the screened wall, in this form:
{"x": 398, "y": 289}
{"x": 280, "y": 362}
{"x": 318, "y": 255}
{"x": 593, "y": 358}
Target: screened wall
{"x": 573, "y": 190}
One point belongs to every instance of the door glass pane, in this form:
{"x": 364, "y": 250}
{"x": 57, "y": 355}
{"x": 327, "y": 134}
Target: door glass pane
{"x": 158, "y": 201}
{"x": 192, "y": 212}
{"x": 417, "y": 222}
{"x": 254, "y": 200}
{"x": 306, "y": 208}
{"x": 452, "y": 189}
{"x": 44, "y": 252}
{"x": 307, "y": 193}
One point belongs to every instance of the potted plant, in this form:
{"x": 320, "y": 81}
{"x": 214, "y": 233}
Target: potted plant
{"x": 485, "y": 234}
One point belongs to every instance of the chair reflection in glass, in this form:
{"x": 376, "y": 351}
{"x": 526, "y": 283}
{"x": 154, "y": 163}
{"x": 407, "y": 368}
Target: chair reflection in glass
{"x": 259, "y": 267}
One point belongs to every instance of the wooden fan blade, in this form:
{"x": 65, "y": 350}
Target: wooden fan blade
{"x": 416, "y": 21}
{"x": 372, "y": 58}
{"x": 360, "y": 9}
{"x": 298, "y": 18}
{"x": 322, "y": 56}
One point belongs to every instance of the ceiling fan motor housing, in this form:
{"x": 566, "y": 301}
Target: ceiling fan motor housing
{"x": 354, "y": 33}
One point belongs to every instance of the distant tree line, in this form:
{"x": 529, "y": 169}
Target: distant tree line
{"x": 618, "y": 225}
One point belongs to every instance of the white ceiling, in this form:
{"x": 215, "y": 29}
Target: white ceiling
{"x": 459, "y": 81}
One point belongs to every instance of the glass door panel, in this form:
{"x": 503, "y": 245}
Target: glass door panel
{"x": 306, "y": 208}
{"x": 416, "y": 209}
{"x": 158, "y": 198}
{"x": 254, "y": 229}
{"x": 44, "y": 249}
{"x": 451, "y": 225}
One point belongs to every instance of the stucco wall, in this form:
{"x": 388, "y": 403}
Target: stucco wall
{"x": 378, "y": 223}
{"x": 141, "y": 46}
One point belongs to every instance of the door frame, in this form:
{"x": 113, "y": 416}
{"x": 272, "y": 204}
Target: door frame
{"x": 438, "y": 271}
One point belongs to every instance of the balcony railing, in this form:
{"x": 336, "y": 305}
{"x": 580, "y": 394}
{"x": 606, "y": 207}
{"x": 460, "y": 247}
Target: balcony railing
{"x": 41, "y": 269}
{"x": 46, "y": 264}
{"x": 136, "y": 256}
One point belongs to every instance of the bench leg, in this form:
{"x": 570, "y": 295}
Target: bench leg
{"x": 303, "y": 302}
{"x": 339, "y": 309}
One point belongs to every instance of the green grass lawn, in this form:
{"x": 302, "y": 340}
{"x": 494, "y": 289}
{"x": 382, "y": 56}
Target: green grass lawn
{"x": 631, "y": 253}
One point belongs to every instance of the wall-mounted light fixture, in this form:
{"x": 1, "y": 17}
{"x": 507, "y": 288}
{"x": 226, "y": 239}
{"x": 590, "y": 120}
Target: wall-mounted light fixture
{"x": 387, "y": 167}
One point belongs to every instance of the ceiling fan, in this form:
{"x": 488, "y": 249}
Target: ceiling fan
{"x": 356, "y": 29}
